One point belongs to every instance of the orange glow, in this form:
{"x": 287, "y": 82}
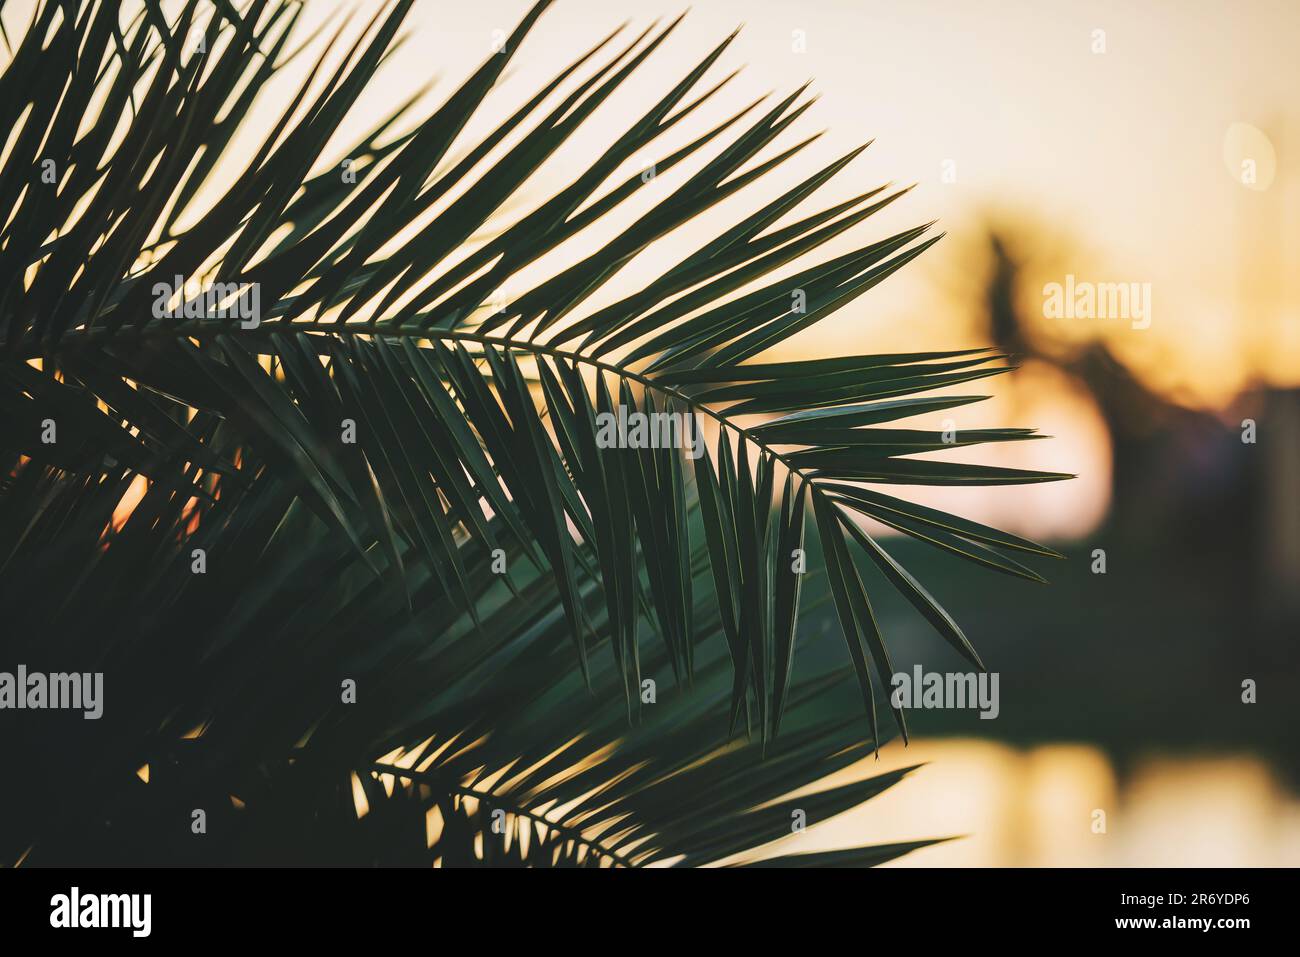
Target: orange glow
{"x": 130, "y": 499}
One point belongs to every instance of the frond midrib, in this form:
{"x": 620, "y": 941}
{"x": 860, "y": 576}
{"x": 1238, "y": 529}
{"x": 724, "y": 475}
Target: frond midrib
{"x": 201, "y": 329}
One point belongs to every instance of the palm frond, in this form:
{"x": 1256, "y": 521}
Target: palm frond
{"x": 356, "y": 460}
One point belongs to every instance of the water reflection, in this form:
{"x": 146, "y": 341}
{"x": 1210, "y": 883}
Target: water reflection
{"x": 1040, "y": 808}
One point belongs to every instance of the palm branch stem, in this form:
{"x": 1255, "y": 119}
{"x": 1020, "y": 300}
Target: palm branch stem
{"x": 201, "y": 328}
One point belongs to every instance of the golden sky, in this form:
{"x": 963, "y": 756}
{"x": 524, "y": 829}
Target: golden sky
{"x": 1129, "y": 159}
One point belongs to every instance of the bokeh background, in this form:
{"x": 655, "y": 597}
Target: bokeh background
{"x": 1147, "y": 141}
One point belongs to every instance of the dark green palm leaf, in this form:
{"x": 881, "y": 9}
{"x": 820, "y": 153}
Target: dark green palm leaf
{"x": 476, "y": 439}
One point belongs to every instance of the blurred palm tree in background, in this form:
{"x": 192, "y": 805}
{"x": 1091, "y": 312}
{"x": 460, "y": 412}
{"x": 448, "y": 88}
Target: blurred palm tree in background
{"x": 1200, "y": 532}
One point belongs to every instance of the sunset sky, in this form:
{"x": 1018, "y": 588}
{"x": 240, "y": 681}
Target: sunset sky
{"x": 1121, "y": 157}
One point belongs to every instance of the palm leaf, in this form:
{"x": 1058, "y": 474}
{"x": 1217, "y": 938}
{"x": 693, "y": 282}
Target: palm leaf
{"x": 358, "y": 460}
